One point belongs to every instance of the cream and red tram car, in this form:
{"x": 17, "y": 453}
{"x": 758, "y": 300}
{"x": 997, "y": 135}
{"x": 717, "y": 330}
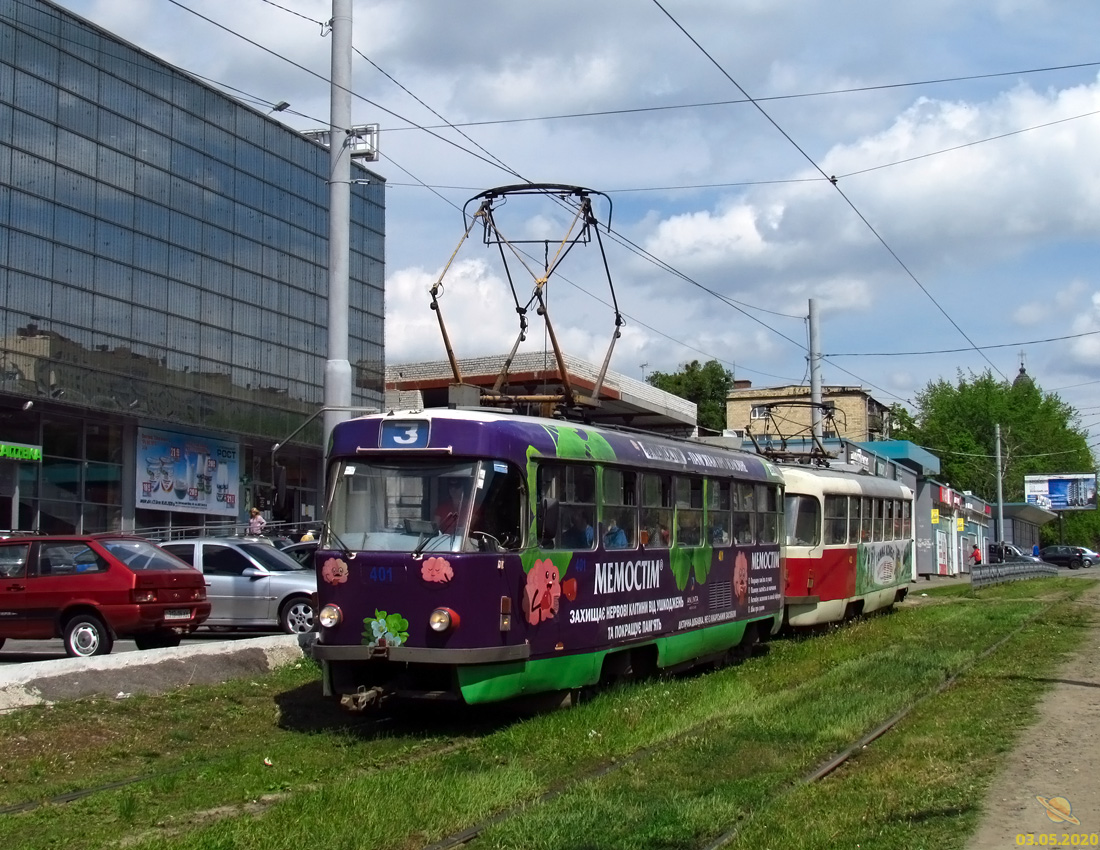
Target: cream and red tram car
{"x": 848, "y": 544}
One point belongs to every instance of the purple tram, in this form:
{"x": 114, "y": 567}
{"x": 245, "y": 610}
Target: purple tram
{"x": 481, "y": 556}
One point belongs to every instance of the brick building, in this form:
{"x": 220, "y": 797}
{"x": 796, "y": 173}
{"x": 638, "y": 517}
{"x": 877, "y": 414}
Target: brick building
{"x": 786, "y": 412}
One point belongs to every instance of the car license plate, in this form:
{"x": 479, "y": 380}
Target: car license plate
{"x": 177, "y": 614}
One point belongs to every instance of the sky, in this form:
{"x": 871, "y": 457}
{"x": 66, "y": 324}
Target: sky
{"x": 927, "y": 173}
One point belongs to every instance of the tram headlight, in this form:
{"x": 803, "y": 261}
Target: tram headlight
{"x": 442, "y": 619}
{"x": 330, "y": 616}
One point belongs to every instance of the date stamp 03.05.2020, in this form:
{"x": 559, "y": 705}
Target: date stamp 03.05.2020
{"x": 1060, "y": 811}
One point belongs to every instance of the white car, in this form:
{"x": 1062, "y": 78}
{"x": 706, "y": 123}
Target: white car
{"x": 251, "y": 585}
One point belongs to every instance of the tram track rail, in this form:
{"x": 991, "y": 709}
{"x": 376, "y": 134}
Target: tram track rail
{"x": 820, "y": 771}
{"x": 642, "y": 745}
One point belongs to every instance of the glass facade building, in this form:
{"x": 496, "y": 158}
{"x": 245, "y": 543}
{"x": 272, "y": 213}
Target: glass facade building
{"x": 163, "y": 265}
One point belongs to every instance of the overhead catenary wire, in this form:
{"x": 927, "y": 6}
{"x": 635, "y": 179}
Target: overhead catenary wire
{"x": 498, "y": 164}
{"x": 831, "y": 179}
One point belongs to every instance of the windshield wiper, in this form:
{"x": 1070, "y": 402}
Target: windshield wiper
{"x": 327, "y": 532}
{"x": 428, "y": 535}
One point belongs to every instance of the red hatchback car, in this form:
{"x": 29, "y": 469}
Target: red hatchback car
{"x": 92, "y": 589}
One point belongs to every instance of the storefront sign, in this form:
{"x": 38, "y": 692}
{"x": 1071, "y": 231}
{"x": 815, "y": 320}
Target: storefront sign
{"x": 20, "y": 451}
{"x": 960, "y": 524}
{"x": 188, "y": 473}
{"x": 935, "y": 516}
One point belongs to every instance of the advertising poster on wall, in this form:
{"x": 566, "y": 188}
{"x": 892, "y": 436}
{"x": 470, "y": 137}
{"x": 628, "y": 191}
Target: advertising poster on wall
{"x": 188, "y": 473}
{"x": 1070, "y": 492}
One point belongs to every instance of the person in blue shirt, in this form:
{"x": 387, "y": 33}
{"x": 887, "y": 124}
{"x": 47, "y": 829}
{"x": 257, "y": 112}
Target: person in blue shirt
{"x": 614, "y": 537}
{"x": 579, "y": 535}
{"x": 1035, "y": 550}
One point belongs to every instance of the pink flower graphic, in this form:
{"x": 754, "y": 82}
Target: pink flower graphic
{"x": 334, "y": 571}
{"x": 543, "y": 592}
{"x": 437, "y": 570}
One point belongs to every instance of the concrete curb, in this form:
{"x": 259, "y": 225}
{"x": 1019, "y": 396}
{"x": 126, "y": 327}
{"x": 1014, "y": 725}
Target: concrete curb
{"x": 151, "y": 671}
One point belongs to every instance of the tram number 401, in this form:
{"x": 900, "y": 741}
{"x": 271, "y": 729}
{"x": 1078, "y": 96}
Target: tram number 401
{"x": 381, "y": 574}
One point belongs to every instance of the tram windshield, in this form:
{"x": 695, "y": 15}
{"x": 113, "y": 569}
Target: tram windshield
{"x": 410, "y": 505}
{"x": 803, "y": 520}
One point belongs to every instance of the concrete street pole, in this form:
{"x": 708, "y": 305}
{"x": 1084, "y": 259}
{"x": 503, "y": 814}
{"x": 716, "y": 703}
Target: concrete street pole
{"x": 337, "y": 367}
{"x": 815, "y": 372}
{"x": 1000, "y": 487}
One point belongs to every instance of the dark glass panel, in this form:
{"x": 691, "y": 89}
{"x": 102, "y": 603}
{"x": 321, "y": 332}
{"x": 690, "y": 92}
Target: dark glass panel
{"x": 151, "y": 218}
{"x": 152, "y": 147}
{"x": 116, "y": 168}
{"x": 110, "y": 278}
{"x": 150, "y": 326}
{"x": 114, "y": 242}
{"x": 116, "y": 131}
{"x": 152, "y": 111}
{"x": 76, "y": 113}
{"x": 59, "y": 517}
{"x": 99, "y": 518}
{"x": 33, "y": 94}
{"x": 31, "y": 254}
{"x": 61, "y": 439}
{"x": 183, "y": 265}
{"x": 187, "y": 198}
{"x": 151, "y": 255}
{"x": 113, "y": 316}
{"x": 114, "y": 205}
{"x": 76, "y": 151}
{"x": 103, "y": 483}
{"x": 217, "y": 209}
{"x": 74, "y": 229}
{"x": 32, "y": 173}
{"x": 75, "y": 190}
{"x": 152, "y": 184}
{"x": 28, "y": 472}
{"x": 31, "y": 133}
{"x": 218, "y": 244}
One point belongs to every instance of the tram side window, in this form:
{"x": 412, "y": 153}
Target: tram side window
{"x": 836, "y": 520}
{"x": 854, "y": 535}
{"x": 899, "y": 523}
{"x": 656, "y": 529}
{"x": 744, "y": 513}
{"x": 718, "y": 512}
{"x": 866, "y": 519}
{"x": 767, "y": 507}
{"x": 803, "y": 515}
{"x": 620, "y": 509}
{"x": 501, "y": 508}
{"x": 689, "y": 511}
{"x": 880, "y": 519}
{"x": 906, "y": 520}
{"x": 567, "y": 506}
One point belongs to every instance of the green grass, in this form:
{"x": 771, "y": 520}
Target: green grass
{"x": 697, "y": 756}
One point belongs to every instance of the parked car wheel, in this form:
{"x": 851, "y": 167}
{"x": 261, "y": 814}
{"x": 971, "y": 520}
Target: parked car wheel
{"x": 85, "y": 636}
{"x": 156, "y": 640}
{"x": 296, "y": 616}
{"x": 1075, "y": 564}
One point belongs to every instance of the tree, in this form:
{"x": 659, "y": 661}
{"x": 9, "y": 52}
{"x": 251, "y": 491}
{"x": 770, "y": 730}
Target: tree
{"x": 706, "y": 385}
{"x": 1040, "y": 434}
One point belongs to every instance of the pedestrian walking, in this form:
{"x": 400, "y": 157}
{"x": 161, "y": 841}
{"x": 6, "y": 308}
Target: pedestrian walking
{"x": 976, "y": 556}
{"x": 256, "y": 522}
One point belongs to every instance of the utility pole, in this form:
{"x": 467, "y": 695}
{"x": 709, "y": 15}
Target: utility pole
{"x": 1000, "y": 487}
{"x": 337, "y": 367}
{"x": 815, "y": 372}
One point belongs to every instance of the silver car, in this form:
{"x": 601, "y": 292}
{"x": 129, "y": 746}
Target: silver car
{"x": 250, "y": 584}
